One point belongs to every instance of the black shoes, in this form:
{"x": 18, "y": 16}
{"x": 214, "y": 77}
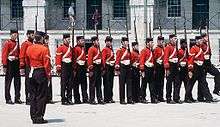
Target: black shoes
{"x": 78, "y": 102}
{"x": 64, "y": 103}
{"x": 92, "y": 103}
{"x": 154, "y": 101}
{"x": 161, "y": 100}
{"x": 144, "y": 101}
{"x": 169, "y": 101}
{"x": 123, "y": 103}
{"x": 9, "y": 102}
{"x": 101, "y": 102}
{"x": 18, "y": 101}
{"x": 70, "y": 102}
{"x": 39, "y": 121}
{"x": 178, "y": 101}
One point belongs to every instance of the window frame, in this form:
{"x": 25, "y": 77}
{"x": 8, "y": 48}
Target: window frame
{"x": 117, "y": 16}
{"x": 177, "y": 5}
{"x": 17, "y": 15}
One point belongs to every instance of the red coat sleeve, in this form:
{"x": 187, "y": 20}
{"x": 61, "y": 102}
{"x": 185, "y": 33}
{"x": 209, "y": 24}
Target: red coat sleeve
{"x": 191, "y": 59}
{"x": 118, "y": 58}
{"x": 47, "y": 64}
{"x": 22, "y": 54}
{"x": 90, "y": 58}
{"x": 104, "y": 57}
{"x": 5, "y": 52}
{"x": 166, "y": 57}
{"x": 142, "y": 59}
{"x": 58, "y": 59}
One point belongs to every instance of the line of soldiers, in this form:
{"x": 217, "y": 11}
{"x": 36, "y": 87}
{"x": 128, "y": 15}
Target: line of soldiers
{"x": 135, "y": 70}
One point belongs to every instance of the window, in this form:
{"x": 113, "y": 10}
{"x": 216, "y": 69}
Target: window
{"x": 16, "y": 9}
{"x": 200, "y": 13}
{"x": 66, "y": 5}
{"x": 119, "y": 8}
{"x": 174, "y": 8}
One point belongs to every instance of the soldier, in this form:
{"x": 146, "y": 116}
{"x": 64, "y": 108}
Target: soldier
{"x": 183, "y": 65}
{"x": 196, "y": 72}
{"x": 50, "y": 92}
{"x": 171, "y": 68}
{"x": 159, "y": 71}
{"x": 210, "y": 68}
{"x": 64, "y": 66}
{"x": 25, "y": 69}
{"x": 80, "y": 69}
{"x": 38, "y": 57}
{"x": 147, "y": 71}
{"x": 10, "y": 61}
{"x": 135, "y": 72}
{"x": 108, "y": 63}
{"x": 123, "y": 69}
{"x": 94, "y": 67}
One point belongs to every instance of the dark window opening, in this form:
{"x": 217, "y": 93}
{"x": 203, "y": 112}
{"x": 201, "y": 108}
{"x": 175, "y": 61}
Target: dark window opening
{"x": 119, "y": 8}
{"x": 16, "y": 9}
{"x": 66, "y": 6}
{"x": 174, "y": 8}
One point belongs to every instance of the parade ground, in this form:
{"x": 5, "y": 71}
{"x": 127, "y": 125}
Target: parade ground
{"x": 112, "y": 115}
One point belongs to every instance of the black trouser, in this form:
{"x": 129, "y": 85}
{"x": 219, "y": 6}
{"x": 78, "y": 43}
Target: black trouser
{"x": 209, "y": 68}
{"x": 159, "y": 80}
{"x": 135, "y": 84}
{"x": 108, "y": 80}
{"x": 200, "y": 76}
{"x": 80, "y": 79}
{"x": 173, "y": 78}
{"x": 125, "y": 78}
{"x": 38, "y": 93}
{"x": 95, "y": 82}
{"x": 12, "y": 72}
{"x": 148, "y": 79}
{"x": 183, "y": 74}
{"x": 66, "y": 81}
{"x": 27, "y": 83}
{"x": 50, "y": 91}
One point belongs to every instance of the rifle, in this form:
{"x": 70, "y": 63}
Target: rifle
{"x": 18, "y": 42}
{"x": 207, "y": 32}
{"x": 175, "y": 32}
{"x": 160, "y": 28}
{"x": 109, "y": 26}
{"x": 185, "y": 33}
{"x": 150, "y": 35}
{"x": 126, "y": 26}
{"x": 135, "y": 28}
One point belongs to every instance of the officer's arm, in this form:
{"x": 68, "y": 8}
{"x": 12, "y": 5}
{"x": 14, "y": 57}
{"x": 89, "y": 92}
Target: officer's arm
{"x": 166, "y": 58}
{"x": 47, "y": 64}
{"x": 142, "y": 60}
{"x": 90, "y": 59}
{"x": 5, "y": 52}
{"x": 22, "y": 55}
{"x": 104, "y": 57}
{"x": 118, "y": 58}
{"x": 58, "y": 59}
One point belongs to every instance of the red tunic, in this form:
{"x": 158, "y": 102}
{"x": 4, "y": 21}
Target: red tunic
{"x": 79, "y": 56}
{"x": 207, "y": 51}
{"x": 196, "y": 56}
{"x": 182, "y": 56}
{"x": 158, "y": 54}
{"x": 10, "y": 51}
{"x": 170, "y": 55}
{"x": 123, "y": 56}
{"x": 63, "y": 54}
{"x": 146, "y": 59}
{"x": 135, "y": 57}
{"x": 23, "y": 50}
{"x": 38, "y": 56}
{"x": 94, "y": 56}
{"x": 107, "y": 57}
